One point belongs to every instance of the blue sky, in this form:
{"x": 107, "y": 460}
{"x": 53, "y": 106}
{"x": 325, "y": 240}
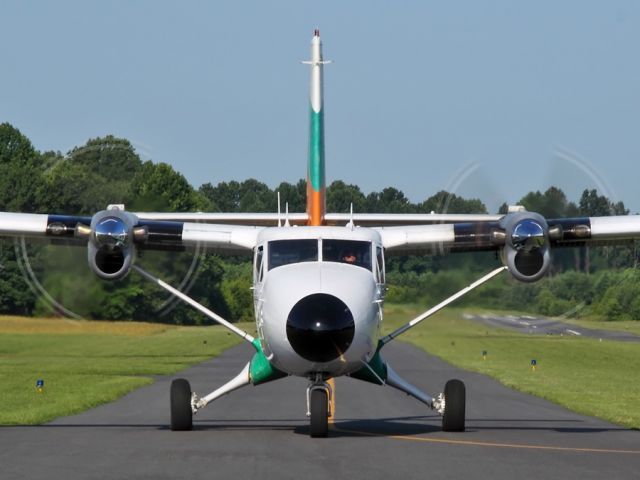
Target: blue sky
{"x": 491, "y": 99}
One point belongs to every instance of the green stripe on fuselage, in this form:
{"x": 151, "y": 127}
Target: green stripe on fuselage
{"x": 316, "y": 150}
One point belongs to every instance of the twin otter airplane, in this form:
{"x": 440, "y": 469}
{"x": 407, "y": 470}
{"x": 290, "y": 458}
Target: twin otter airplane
{"x": 318, "y": 277}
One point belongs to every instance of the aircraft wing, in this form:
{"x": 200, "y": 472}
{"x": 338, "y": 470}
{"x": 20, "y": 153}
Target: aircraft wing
{"x": 524, "y": 239}
{"x": 494, "y": 234}
{"x": 146, "y": 234}
{"x": 247, "y": 219}
{"x": 362, "y": 219}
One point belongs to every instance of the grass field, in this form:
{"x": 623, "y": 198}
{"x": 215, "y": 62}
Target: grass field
{"x": 585, "y": 375}
{"x": 84, "y": 364}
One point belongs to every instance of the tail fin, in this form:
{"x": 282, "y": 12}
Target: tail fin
{"x": 316, "y": 201}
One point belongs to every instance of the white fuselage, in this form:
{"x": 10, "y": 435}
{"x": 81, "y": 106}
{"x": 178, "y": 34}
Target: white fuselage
{"x": 318, "y": 309}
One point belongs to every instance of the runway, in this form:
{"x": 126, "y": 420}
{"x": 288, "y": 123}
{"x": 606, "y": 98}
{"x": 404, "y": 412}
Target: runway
{"x": 377, "y": 433}
{"x": 548, "y": 326}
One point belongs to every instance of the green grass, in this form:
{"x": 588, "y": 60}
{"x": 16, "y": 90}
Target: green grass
{"x": 85, "y": 364}
{"x": 585, "y": 375}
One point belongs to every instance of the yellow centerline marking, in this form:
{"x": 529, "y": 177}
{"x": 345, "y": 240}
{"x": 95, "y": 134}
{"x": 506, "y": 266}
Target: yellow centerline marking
{"x": 490, "y": 444}
{"x": 332, "y": 384}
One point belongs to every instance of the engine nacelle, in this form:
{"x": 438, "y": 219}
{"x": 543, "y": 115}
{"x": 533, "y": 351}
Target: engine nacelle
{"x": 526, "y": 250}
{"x": 111, "y": 250}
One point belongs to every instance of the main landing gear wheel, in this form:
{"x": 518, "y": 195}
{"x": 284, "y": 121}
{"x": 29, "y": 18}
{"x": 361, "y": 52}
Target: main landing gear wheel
{"x": 319, "y": 425}
{"x": 181, "y": 413}
{"x": 454, "y": 406}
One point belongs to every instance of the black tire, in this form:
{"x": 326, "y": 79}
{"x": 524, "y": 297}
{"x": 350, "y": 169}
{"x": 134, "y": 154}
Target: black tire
{"x": 181, "y": 414}
{"x": 454, "y": 406}
{"x": 319, "y": 422}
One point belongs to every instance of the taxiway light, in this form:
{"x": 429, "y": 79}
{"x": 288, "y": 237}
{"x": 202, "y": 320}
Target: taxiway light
{"x": 534, "y": 363}
{"x": 39, "y": 385}
{"x": 484, "y": 354}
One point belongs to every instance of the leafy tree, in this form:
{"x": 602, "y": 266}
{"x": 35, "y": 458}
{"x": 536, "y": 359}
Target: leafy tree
{"x": 445, "y": 202}
{"x": 20, "y": 172}
{"x": 250, "y": 195}
{"x": 225, "y": 195}
{"x": 20, "y": 184}
{"x": 593, "y": 205}
{"x": 108, "y": 170}
{"x": 113, "y": 158}
{"x": 552, "y": 203}
{"x": 341, "y": 196}
{"x": 389, "y": 200}
{"x": 74, "y": 189}
{"x": 294, "y": 195}
{"x": 15, "y": 295}
{"x": 158, "y": 187}
{"x": 255, "y": 196}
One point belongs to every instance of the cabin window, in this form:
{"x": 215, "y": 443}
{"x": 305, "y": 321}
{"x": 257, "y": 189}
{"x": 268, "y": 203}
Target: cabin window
{"x": 285, "y": 252}
{"x": 258, "y": 265}
{"x": 380, "y": 264}
{"x": 353, "y": 252}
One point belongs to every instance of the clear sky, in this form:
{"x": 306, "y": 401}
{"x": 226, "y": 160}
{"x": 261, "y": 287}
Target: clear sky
{"x": 491, "y": 99}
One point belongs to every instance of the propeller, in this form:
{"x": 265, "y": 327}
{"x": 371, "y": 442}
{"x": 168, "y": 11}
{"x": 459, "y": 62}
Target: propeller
{"x": 113, "y": 238}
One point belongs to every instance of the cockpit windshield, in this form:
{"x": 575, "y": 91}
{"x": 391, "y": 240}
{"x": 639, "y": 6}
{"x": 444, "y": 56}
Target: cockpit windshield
{"x": 353, "y": 252}
{"x": 285, "y": 252}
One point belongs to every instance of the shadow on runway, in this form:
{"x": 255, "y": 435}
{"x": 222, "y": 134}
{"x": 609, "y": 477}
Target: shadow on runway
{"x": 391, "y": 426}
{"x": 407, "y": 426}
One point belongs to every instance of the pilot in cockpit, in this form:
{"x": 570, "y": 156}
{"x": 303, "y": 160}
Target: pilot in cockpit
{"x": 349, "y": 256}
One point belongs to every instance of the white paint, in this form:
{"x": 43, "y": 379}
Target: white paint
{"x": 316, "y": 63}
{"x": 254, "y": 219}
{"x": 380, "y": 219}
{"x": 421, "y": 236}
{"x": 617, "y": 227}
{"x": 23, "y": 223}
{"x": 241, "y": 380}
{"x": 220, "y": 236}
{"x": 284, "y": 286}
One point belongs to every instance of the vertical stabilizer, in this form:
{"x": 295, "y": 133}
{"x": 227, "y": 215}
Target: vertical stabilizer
{"x": 316, "y": 202}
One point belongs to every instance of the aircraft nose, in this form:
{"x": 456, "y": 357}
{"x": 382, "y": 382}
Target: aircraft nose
{"x": 320, "y": 327}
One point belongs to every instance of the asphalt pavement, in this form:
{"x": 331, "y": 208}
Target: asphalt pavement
{"x": 378, "y": 432}
{"x": 548, "y": 326}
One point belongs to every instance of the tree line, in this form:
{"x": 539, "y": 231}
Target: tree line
{"x": 45, "y": 280}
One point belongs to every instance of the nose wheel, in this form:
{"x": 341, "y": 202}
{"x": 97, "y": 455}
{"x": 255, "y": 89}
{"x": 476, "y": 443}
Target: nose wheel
{"x": 319, "y": 409}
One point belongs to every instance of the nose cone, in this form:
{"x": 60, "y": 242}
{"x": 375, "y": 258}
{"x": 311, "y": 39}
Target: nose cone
{"x": 320, "y": 327}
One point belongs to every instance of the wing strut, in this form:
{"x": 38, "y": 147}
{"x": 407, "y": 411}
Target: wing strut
{"x": 241, "y": 333}
{"x": 441, "y": 305}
